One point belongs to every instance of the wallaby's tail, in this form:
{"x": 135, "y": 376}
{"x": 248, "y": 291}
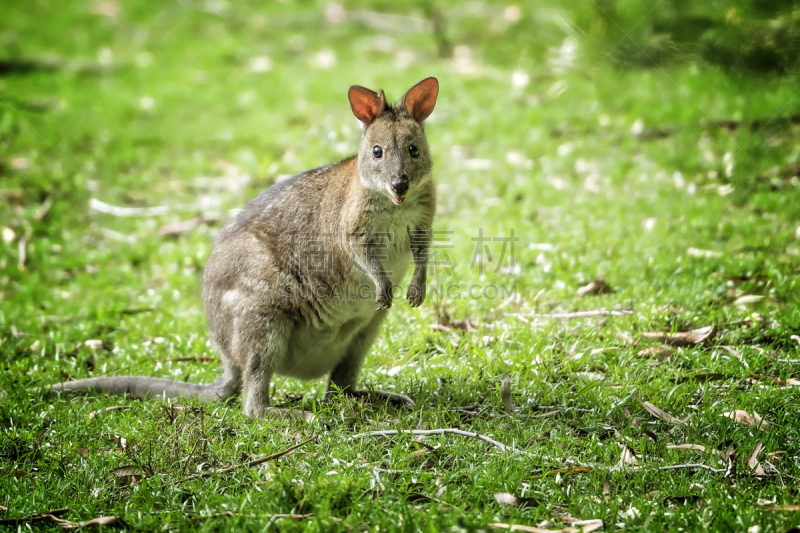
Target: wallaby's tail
{"x": 141, "y": 387}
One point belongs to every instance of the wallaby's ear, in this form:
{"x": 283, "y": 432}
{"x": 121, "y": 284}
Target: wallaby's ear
{"x": 366, "y": 105}
{"x": 420, "y": 99}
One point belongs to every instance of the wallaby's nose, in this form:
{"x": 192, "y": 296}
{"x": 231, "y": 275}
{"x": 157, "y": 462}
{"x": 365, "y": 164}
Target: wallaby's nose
{"x": 400, "y": 185}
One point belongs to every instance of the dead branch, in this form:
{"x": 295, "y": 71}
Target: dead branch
{"x": 245, "y": 515}
{"x": 577, "y": 314}
{"x": 694, "y": 465}
{"x": 251, "y": 464}
{"x": 152, "y": 211}
{"x": 390, "y": 432}
{"x": 33, "y": 518}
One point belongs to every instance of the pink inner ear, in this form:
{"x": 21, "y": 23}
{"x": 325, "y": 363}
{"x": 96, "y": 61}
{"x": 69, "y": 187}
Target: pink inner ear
{"x": 420, "y": 100}
{"x": 366, "y": 104}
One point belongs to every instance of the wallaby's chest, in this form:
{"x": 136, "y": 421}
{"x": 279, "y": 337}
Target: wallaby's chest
{"x": 317, "y": 347}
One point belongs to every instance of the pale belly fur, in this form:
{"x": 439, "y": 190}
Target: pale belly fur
{"x": 315, "y": 350}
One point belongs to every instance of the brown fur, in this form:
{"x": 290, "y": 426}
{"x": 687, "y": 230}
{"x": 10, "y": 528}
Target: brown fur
{"x": 274, "y": 305}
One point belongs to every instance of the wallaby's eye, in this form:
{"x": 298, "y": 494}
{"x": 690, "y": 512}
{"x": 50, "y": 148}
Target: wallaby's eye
{"x": 377, "y": 152}
{"x": 413, "y": 150}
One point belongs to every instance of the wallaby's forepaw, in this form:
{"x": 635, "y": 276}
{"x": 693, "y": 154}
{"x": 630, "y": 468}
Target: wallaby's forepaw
{"x": 416, "y": 294}
{"x": 379, "y": 396}
{"x": 396, "y": 400}
{"x": 384, "y": 299}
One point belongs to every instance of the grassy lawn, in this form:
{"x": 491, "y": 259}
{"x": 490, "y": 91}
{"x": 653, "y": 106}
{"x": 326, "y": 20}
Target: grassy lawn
{"x": 131, "y": 132}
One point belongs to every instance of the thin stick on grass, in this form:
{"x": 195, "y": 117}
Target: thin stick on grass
{"x": 246, "y": 515}
{"x": 577, "y": 314}
{"x": 251, "y": 464}
{"x": 188, "y": 459}
{"x": 280, "y": 516}
{"x": 484, "y": 438}
{"x": 541, "y": 415}
{"x": 32, "y": 518}
{"x": 693, "y": 465}
{"x": 390, "y": 432}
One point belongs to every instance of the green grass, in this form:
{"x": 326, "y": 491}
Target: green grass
{"x": 159, "y": 106}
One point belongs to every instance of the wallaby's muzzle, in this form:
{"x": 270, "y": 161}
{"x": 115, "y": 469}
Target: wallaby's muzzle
{"x": 400, "y": 187}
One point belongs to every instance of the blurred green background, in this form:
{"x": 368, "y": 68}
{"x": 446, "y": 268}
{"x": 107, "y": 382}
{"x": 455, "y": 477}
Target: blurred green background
{"x": 200, "y": 105}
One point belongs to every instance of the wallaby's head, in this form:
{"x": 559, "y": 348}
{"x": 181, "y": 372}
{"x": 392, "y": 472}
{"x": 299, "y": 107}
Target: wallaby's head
{"x": 394, "y": 158}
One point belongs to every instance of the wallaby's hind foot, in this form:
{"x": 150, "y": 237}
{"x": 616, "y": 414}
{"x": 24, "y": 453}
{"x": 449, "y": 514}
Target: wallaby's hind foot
{"x": 378, "y": 397}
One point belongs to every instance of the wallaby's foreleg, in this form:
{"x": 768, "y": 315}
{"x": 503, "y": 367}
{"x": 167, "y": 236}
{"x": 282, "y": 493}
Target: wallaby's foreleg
{"x": 345, "y": 375}
{"x": 420, "y": 243}
{"x": 260, "y": 343}
{"x": 375, "y": 255}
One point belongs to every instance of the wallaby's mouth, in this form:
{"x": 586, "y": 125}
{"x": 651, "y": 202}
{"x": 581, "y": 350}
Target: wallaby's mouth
{"x": 398, "y": 199}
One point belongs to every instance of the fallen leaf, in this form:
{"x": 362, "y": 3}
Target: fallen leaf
{"x": 748, "y": 299}
{"x": 108, "y": 409}
{"x": 663, "y": 415}
{"x": 507, "y": 499}
{"x": 598, "y": 286}
{"x": 697, "y": 447}
{"x": 696, "y": 252}
{"x": 517, "y": 527}
{"x": 570, "y": 470}
{"x": 728, "y": 452}
{"x": 658, "y": 413}
{"x": 626, "y": 457}
{"x": 684, "y": 338}
{"x": 81, "y": 450}
{"x": 93, "y": 344}
{"x": 661, "y": 351}
{"x": 103, "y": 521}
{"x": 594, "y": 526}
{"x": 505, "y": 393}
{"x": 587, "y": 526}
{"x": 650, "y": 434}
{"x": 791, "y": 507}
{"x": 18, "y": 474}
{"x": 593, "y": 376}
{"x": 753, "y": 463}
{"x": 775, "y": 457}
{"x": 192, "y": 360}
{"x": 626, "y": 338}
{"x": 791, "y": 382}
{"x": 181, "y": 226}
{"x": 130, "y": 474}
{"x": 743, "y": 417}
{"x": 420, "y": 453}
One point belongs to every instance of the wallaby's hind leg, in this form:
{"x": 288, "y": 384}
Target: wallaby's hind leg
{"x": 345, "y": 374}
{"x": 259, "y": 343}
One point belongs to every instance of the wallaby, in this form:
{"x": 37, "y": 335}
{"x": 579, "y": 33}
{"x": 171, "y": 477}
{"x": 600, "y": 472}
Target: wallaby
{"x": 292, "y": 282}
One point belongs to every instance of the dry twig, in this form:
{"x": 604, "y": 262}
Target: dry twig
{"x": 389, "y": 432}
{"x": 251, "y": 464}
{"x": 577, "y": 314}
